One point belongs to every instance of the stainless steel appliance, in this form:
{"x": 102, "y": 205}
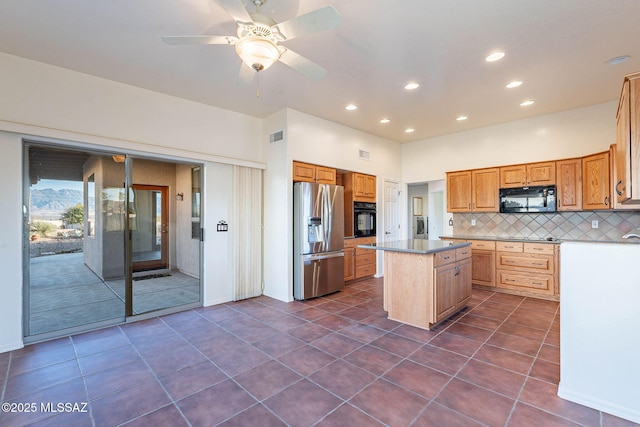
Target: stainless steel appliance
{"x": 420, "y": 227}
{"x": 364, "y": 219}
{"x": 528, "y": 199}
{"x": 318, "y": 245}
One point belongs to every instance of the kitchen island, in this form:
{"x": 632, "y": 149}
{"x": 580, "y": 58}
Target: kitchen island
{"x": 425, "y": 281}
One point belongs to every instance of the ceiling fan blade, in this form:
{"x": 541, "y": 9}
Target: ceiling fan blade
{"x": 309, "y": 23}
{"x": 303, "y": 65}
{"x": 179, "y": 40}
{"x": 236, "y": 9}
{"x": 246, "y": 74}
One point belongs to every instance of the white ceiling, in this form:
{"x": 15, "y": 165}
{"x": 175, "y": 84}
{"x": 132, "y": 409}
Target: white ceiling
{"x": 558, "y": 48}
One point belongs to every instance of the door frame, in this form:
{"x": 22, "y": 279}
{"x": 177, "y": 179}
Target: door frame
{"x": 163, "y": 262}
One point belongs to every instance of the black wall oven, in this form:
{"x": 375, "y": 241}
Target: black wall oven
{"x": 364, "y": 219}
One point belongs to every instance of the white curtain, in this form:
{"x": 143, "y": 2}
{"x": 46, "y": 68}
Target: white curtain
{"x": 246, "y": 232}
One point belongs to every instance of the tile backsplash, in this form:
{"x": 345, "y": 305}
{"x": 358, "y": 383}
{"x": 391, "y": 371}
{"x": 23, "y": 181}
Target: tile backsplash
{"x": 561, "y": 225}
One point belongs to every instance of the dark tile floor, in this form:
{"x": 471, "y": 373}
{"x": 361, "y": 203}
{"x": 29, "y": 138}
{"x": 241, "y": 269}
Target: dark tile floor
{"x": 332, "y": 361}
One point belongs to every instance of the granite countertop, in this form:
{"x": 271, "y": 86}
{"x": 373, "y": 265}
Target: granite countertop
{"x": 551, "y": 240}
{"x": 416, "y": 246}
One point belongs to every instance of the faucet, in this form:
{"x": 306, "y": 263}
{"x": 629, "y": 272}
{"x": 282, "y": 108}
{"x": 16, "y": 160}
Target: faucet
{"x": 632, "y": 234}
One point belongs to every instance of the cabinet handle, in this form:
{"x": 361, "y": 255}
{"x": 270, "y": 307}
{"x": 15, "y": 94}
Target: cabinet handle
{"x": 457, "y": 270}
{"x": 446, "y": 257}
{"x": 618, "y": 192}
{"x": 606, "y": 200}
{"x": 537, "y": 264}
{"x": 538, "y": 249}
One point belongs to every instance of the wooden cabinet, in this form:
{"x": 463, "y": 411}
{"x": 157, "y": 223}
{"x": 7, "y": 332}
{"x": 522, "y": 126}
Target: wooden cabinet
{"x": 569, "y": 185}
{"x": 364, "y": 188}
{"x": 627, "y": 184}
{"x": 365, "y": 259}
{"x": 424, "y": 289}
{"x": 473, "y": 191}
{"x": 349, "y": 259}
{"x": 305, "y": 172}
{"x": 527, "y": 268}
{"x": 596, "y": 183}
{"x": 459, "y": 191}
{"x": 531, "y": 174}
{"x": 483, "y": 262}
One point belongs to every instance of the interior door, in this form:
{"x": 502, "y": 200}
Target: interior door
{"x": 391, "y": 211}
{"x": 149, "y": 225}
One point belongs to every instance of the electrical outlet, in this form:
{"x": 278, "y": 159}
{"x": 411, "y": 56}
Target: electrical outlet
{"x": 473, "y": 222}
{"x": 594, "y": 223}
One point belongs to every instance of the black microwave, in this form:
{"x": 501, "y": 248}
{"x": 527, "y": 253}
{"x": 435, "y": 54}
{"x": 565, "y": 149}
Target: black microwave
{"x": 528, "y": 199}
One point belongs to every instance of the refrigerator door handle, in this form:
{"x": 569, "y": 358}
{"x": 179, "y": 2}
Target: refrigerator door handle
{"x": 324, "y": 255}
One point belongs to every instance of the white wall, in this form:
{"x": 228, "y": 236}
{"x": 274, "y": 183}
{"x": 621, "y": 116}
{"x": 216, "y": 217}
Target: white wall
{"x": 567, "y": 134}
{"x": 599, "y": 333}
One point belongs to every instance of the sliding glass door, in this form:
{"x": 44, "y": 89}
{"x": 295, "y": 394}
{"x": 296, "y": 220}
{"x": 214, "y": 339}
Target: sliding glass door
{"x": 107, "y": 237}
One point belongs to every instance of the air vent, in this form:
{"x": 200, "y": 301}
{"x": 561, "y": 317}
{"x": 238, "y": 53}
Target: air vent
{"x": 364, "y": 155}
{"x": 276, "y": 136}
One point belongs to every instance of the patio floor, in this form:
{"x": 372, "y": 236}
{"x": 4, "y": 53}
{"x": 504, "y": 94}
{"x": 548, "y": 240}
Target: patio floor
{"x": 65, "y": 293}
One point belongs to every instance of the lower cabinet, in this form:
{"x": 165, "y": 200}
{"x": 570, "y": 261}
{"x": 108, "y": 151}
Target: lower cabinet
{"x": 349, "y": 259}
{"x": 452, "y": 287}
{"x": 527, "y": 268}
{"x": 359, "y": 263}
{"x": 483, "y": 262}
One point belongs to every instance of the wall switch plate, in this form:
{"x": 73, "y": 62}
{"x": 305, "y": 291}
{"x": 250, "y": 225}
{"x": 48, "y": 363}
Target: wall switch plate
{"x": 594, "y": 223}
{"x": 473, "y": 222}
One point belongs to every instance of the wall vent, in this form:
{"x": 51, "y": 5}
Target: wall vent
{"x": 364, "y": 155}
{"x": 276, "y": 136}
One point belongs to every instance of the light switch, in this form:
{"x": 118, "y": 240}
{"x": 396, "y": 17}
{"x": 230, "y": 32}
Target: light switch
{"x": 594, "y": 223}
{"x": 473, "y": 222}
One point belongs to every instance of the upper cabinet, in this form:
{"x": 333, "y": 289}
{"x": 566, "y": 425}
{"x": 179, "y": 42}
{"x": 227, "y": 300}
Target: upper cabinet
{"x": 627, "y": 156}
{"x": 596, "y": 182}
{"x": 305, "y": 172}
{"x": 532, "y": 174}
{"x": 569, "y": 185}
{"x": 473, "y": 191}
{"x": 364, "y": 188}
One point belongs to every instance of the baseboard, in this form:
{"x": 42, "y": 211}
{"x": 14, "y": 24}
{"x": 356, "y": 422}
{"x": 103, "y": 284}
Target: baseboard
{"x": 217, "y": 301}
{"x": 631, "y": 414}
{"x": 10, "y": 347}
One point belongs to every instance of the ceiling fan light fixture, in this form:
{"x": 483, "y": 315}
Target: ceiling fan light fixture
{"x": 259, "y": 53}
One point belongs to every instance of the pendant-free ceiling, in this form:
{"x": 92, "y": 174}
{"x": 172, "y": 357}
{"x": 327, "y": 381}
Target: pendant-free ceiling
{"x": 258, "y": 37}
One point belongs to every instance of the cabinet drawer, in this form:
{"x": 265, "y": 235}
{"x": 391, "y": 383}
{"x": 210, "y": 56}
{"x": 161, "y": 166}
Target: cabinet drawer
{"x": 444, "y": 257}
{"x": 462, "y": 253}
{"x": 365, "y": 240}
{"x": 349, "y": 243}
{"x": 509, "y": 246}
{"x": 483, "y": 244}
{"x": 365, "y": 270}
{"x": 537, "y": 263}
{"x": 539, "y": 248}
{"x": 364, "y": 259}
{"x": 540, "y": 283}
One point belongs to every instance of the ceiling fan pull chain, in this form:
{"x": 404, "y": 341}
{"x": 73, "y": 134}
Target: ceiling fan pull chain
{"x": 257, "y": 84}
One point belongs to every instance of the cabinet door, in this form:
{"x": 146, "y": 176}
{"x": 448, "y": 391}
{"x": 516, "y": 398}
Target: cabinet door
{"x": 569, "y": 185}
{"x": 483, "y": 267}
{"x": 541, "y": 173}
{"x": 444, "y": 298}
{"x": 325, "y": 175}
{"x": 462, "y": 276}
{"x": 370, "y": 186}
{"x": 349, "y": 263}
{"x": 513, "y": 176}
{"x": 484, "y": 184}
{"x": 596, "y": 182}
{"x": 459, "y": 191}
{"x": 303, "y": 172}
{"x": 627, "y": 186}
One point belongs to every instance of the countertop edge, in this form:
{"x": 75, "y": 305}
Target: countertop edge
{"x": 452, "y": 245}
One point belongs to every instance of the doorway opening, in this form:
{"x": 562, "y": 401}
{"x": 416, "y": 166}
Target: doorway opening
{"x": 99, "y": 249}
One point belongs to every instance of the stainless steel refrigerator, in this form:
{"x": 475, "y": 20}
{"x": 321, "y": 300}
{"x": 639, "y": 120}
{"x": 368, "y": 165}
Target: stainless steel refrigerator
{"x": 318, "y": 239}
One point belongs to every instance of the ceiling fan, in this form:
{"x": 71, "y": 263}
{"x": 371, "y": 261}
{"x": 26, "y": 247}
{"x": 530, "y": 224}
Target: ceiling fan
{"x": 258, "y": 38}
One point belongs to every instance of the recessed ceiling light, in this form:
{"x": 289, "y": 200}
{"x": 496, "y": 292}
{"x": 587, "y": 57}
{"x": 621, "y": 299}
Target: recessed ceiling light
{"x": 527, "y": 103}
{"x": 513, "y": 84}
{"x": 351, "y": 107}
{"x": 461, "y": 118}
{"x": 385, "y": 121}
{"x": 409, "y": 130}
{"x": 411, "y": 86}
{"x": 495, "y": 56}
{"x": 617, "y": 59}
